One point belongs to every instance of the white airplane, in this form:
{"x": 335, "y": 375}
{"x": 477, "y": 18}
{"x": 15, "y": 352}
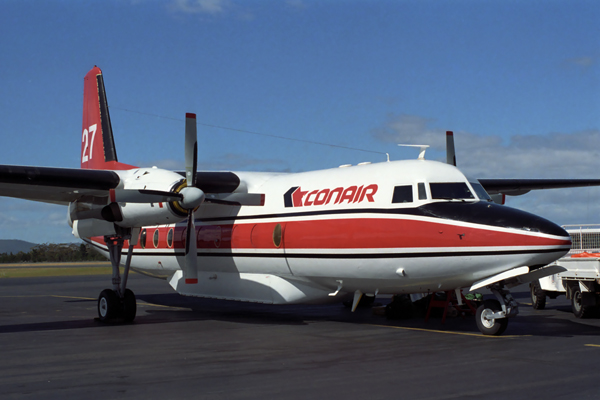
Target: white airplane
{"x": 397, "y": 227}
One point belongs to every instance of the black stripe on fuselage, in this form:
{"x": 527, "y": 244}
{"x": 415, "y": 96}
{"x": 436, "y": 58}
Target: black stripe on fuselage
{"x": 343, "y": 256}
{"x": 479, "y": 212}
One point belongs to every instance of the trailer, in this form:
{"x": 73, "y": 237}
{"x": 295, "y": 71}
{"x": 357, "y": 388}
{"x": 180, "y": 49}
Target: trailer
{"x": 580, "y": 280}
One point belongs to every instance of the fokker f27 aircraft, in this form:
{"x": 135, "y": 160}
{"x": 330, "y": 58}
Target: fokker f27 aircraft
{"x": 414, "y": 226}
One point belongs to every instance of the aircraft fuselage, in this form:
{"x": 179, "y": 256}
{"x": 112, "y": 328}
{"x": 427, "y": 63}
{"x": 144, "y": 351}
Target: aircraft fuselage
{"x": 395, "y": 227}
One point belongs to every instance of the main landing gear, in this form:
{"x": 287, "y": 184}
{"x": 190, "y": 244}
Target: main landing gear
{"x": 492, "y": 316}
{"x": 118, "y": 303}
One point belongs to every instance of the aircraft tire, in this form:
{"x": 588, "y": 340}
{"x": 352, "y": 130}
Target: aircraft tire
{"x": 493, "y": 327}
{"x": 109, "y": 306}
{"x": 129, "y": 306}
{"x": 538, "y": 296}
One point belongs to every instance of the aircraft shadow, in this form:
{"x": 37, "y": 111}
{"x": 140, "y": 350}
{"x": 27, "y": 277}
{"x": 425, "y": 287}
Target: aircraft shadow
{"x": 172, "y": 307}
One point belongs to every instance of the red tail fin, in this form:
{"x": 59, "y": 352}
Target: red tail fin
{"x": 97, "y": 144}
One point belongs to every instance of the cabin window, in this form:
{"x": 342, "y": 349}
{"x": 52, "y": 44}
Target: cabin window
{"x": 155, "y": 238}
{"x": 170, "y": 238}
{"x": 480, "y": 191}
{"x": 402, "y": 194}
{"x": 277, "y": 235}
{"x": 422, "y": 191}
{"x": 450, "y": 190}
{"x": 143, "y": 239}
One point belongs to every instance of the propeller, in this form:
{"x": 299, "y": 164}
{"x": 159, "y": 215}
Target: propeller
{"x": 192, "y": 198}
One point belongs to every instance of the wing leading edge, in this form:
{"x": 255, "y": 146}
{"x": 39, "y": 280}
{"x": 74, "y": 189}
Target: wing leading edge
{"x": 516, "y": 187}
{"x": 66, "y": 185}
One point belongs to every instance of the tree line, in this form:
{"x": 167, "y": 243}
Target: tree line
{"x": 52, "y": 252}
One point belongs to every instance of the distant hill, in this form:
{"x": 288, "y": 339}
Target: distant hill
{"x": 14, "y": 246}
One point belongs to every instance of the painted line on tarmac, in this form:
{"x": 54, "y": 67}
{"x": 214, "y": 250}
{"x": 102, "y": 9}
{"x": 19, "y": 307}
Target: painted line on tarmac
{"x": 73, "y": 297}
{"x": 450, "y": 332}
{"x": 163, "y": 306}
{"x": 592, "y": 345}
{"x": 139, "y": 303}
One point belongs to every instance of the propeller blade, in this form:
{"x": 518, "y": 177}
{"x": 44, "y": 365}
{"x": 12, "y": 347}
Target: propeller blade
{"x": 236, "y": 199}
{"x": 191, "y": 149}
{"x": 142, "y": 196}
{"x": 450, "y": 154}
{"x": 192, "y": 197}
{"x": 190, "y": 272}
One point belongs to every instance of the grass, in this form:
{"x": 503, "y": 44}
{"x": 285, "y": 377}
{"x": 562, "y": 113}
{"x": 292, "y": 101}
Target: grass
{"x": 42, "y": 272}
{"x": 54, "y": 269}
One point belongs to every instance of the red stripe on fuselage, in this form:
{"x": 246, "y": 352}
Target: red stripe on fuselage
{"x": 352, "y": 233}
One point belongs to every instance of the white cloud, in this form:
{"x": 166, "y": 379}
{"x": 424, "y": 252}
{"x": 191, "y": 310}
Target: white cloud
{"x": 583, "y": 62}
{"x": 554, "y": 155}
{"x": 296, "y": 4}
{"x": 212, "y": 7}
{"x": 34, "y": 222}
{"x": 564, "y": 155}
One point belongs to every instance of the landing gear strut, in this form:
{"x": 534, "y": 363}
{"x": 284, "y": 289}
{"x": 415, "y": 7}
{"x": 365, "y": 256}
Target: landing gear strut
{"x": 117, "y": 303}
{"x": 492, "y": 316}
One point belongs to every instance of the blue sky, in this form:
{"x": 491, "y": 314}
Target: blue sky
{"x": 518, "y": 82}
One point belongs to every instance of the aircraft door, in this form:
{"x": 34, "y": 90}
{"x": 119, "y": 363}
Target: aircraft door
{"x": 269, "y": 239}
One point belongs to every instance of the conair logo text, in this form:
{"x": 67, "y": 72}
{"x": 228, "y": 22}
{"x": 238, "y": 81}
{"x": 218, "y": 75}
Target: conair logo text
{"x": 296, "y": 197}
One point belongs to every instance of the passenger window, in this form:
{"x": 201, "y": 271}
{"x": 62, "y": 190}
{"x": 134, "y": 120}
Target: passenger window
{"x": 143, "y": 239}
{"x": 170, "y": 238}
{"x": 422, "y": 191}
{"x": 402, "y": 194}
{"x": 155, "y": 239}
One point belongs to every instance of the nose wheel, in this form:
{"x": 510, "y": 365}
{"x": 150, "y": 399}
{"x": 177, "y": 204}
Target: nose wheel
{"x": 486, "y": 321}
{"x": 118, "y": 303}
{"x": 492, "y": 316}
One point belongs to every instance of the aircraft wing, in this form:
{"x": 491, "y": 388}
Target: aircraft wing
{"x": 65, "y": 185}
{"x": 516, "y": 187}
{"x": 54, "y": 185}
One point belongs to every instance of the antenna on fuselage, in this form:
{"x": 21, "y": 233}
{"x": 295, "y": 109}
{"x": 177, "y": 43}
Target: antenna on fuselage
{"x": 423, "y": 148}
{"x": 450, "y": 153}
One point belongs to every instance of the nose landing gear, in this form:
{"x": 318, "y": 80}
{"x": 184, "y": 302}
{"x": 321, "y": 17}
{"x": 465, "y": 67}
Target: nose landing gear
{"x": 492, "y": 316}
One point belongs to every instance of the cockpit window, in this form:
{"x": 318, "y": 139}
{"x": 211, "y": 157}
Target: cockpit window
{"x": 422, "y": 191}
{"x": 480, "y": 191}
{"x": 402, "y": 194}
{"x": 450, "y": 190}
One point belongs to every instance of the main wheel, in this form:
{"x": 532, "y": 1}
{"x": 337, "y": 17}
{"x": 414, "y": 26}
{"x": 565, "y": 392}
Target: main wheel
{"x": 538, "y": 296}
{"x": 129, "y": 306}
{"x": 494, "y": 327}
{"x": 109, "y": 306}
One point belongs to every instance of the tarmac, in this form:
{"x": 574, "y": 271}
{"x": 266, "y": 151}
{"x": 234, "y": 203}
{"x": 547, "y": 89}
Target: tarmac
{"x": 52, "y": 347}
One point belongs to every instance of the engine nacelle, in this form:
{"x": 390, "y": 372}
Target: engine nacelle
{"x": 129, "y": 215}
{"x": 98, "y": 215}
{"x": 87, "y": 228}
